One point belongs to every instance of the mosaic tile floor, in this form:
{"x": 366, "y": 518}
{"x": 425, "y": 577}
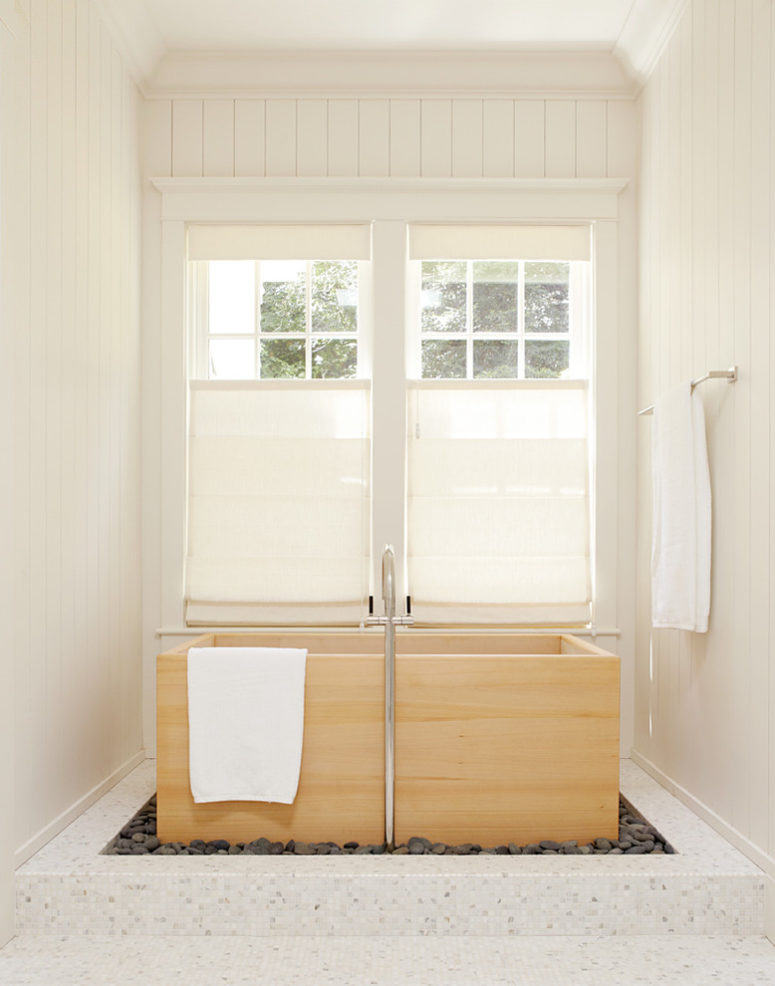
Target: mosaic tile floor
{"x": 200, "y": 961}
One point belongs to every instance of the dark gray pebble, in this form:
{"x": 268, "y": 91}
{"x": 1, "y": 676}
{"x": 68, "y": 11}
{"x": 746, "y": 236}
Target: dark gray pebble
{"x": 549, "y": 844}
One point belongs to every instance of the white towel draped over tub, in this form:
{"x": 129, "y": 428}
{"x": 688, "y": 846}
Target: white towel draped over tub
{"x": 680, "y": 558}
{"x": 245, "y": 723}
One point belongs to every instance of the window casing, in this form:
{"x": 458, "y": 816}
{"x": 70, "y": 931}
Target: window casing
{"x": 574, "y": 337}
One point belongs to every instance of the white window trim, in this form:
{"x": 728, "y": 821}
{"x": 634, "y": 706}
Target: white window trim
{"x": 391, "y": 204}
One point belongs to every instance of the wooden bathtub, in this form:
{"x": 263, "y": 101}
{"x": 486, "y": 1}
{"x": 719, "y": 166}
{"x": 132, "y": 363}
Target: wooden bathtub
{"x": 500, "y": 737}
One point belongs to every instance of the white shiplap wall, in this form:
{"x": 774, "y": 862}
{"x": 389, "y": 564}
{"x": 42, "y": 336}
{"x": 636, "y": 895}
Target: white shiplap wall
{"x": 380, "y": 138}
{"x": 393, "y": 138}
{"x": 74, "y": 367}
{"x": 705, "y": 704}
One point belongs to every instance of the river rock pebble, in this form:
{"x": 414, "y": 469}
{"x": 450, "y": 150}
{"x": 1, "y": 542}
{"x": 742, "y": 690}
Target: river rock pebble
{"x": 138, "y": 838}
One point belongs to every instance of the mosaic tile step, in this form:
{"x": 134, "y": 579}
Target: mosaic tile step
{"x": 707, "y": 888}
{"x": 664, "y": 961}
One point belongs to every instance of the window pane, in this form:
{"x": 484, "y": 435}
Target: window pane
{"x": 443, "y": 299}
{"x": 335, "y": 296}
{"x": 546, "y": 297}
{"x": 546, "y": 359}
{"x": 334, "y": 359}
{"x": 495, "y": 359}
{"x": 283, "y": 296}
{"x": 282, "y": 358}
{"x": 232, "y": 359}
{"x": 231, "y": 296}
{"x": 495, "y": 296}
{"x": 444, "y": 359}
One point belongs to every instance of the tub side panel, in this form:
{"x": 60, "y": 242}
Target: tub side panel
{"x": 493, "y": 750}
{"x": 341, "y": 793}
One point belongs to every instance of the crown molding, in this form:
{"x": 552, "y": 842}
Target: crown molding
{"x": 649, "y": 26}
{"x": 593, "y": 73}
{"x": 135, "y": 34}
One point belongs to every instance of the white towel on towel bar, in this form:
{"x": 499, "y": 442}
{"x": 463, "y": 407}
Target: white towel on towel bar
{"x": 245, "y": 723}
{"x": 681, "y": 537}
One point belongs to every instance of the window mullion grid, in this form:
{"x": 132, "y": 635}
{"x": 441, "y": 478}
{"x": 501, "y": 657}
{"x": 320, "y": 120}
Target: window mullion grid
{"x": 469, "y": 320}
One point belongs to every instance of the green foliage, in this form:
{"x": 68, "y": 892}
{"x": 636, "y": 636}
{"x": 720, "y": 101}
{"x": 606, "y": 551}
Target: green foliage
{"x": 333, "y": 309}
{"x": 496, "y": 296}
{"x": 546, "y": 359}
{"x": 547, "y": 303}
{"x": 334, "y": 296}
{"x": 282, "y": 359}
{"x": 444, "y": 296}
{"x": 334, "y": 359}
{"x": 495, "y": 359}
{"x": 444, "y": 359}
{"x": 283, "y": 306}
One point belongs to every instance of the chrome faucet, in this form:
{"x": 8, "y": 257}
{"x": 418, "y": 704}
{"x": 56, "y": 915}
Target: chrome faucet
{"x": 390, "y": 621}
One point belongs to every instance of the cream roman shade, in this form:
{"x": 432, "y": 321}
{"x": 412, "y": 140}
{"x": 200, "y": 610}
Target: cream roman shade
{"x": 498, "y": 511}
{"x": 276, "y": 242}
{"x": 499, "y": 242}
{"x": 279, "y": 502}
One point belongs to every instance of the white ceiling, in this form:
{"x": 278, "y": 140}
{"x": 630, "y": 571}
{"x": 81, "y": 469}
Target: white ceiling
{"x": 197, "y": 25}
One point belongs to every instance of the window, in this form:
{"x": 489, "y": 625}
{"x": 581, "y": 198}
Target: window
{"x": 498, "y": 511}
{"x": 279, "y": 319}
{"x": 486, "y": 319}
{"x": 496, "y": 504}
{"x": 279, "y": 454}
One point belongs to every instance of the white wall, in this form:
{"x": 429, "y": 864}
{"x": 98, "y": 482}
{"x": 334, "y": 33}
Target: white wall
{"x": 74, "y": 369}
{"x": 383, "y": 138}
{"x": 705, "y": 707}
{"x": 9, "y": 300}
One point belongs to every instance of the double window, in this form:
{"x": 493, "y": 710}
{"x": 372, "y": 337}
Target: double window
{"x": 497, "y": 493}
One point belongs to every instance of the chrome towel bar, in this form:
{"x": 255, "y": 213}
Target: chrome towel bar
{"x": 729, "y": 375}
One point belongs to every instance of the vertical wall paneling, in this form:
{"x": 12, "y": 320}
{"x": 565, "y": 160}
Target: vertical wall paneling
{"x": 761, "y": 181}
{"x": 187, "y": 138}
{"x": 374, "y": 138}
{"x": 75, "y": 453}
{"x": 405, "y": 143}
{"x": 591, "y": 144}
{"x": 436, "y": 138}
{"x": 706, "y": 248}
{"x": 280, "y": 137}
{"x": 218, "y": 138}
{"x": 529, "y": 138}
{"x": 312, "y": 137}
{"x": 560, "y": 138}
{"x": 68, "y": 370}
{"x": 771, "y": 603}
{"x": 157, "y": 138}
{"x": 343, "y": 137}
{"x": 622, "y": 139}
{"x": 249, "y": 137}
{"x": 52, "y": 602}
{"x": 498, "y": 138}
{"x": 14, "y": 299}
{"x": 467, "y": 138}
